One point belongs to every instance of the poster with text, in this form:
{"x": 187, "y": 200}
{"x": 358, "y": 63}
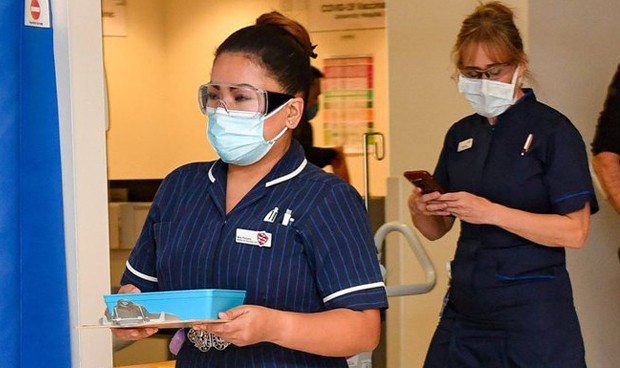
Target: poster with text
{"x": 337, "y": 15}
{"x": 348, "y": 101}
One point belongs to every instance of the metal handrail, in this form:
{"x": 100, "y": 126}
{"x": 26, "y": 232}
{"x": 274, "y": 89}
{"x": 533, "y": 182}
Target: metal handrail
{"x": 379, "y": 155}
{"x": 420, "y": 253}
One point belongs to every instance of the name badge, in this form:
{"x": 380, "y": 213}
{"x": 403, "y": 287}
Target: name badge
{"x": 251, "y": 237}
{"x": 464, "y": 145}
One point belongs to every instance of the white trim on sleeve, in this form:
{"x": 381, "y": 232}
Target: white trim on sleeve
{"x": 140, "y": 274}
{"x": 353, "y": 289}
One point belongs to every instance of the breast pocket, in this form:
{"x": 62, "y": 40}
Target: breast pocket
{"x": 268, "y": 273}
{"x": 521, "y": 183}
{"x": 528, "y": 167}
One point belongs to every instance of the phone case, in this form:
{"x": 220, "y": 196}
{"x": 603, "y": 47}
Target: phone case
{"x": 423, "y": 180}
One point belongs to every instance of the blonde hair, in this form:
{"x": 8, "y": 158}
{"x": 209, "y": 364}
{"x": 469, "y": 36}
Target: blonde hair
{"x": 492, "y": 26}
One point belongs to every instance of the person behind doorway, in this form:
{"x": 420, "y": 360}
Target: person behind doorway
{"x": 606, "y": 144}
{"x": 319, "y": 156}
{"x": 516, "y": 176}
{"x": 305, "y": 256}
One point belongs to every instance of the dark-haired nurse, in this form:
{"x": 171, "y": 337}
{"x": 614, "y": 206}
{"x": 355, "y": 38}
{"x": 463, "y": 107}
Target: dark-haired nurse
{"x": 261, "y": 219}
{"x": 517, "y": 178}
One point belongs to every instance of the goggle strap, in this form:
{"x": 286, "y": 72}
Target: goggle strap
{"x": 270, "y": 114}
{"x": 274, "y": 100}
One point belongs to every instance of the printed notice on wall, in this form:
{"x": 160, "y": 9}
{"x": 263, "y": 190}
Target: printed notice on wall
{"x": 113, "y": 15}
{"x": 348, "y": 101}
{"x": 334, "y": 15}
{"x": 37, "y": 13}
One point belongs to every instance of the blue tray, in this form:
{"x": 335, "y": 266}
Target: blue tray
{"x": 197, "y": 304}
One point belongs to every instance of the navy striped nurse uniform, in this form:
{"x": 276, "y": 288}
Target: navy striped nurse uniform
{"x": 510, "y": 301}
{"x": 317, "y": 251}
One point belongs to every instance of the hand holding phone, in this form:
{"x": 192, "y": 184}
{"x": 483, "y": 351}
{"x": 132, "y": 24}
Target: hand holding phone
{"x": 424, "y": 180}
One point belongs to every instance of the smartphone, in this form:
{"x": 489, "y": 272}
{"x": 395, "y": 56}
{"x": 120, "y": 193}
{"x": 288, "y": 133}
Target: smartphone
{"x": 424, "y": 180}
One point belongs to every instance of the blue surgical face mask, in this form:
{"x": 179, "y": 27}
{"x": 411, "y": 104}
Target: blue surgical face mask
{"x": 237, "y": 136}
{"x": 312, "y": 111}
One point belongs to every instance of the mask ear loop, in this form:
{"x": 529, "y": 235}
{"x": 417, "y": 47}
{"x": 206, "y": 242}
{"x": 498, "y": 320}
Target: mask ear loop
{"x": 515, "y": 76}
{"x": 275, "y": 139}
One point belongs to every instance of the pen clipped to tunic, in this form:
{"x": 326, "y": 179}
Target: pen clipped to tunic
{"x": 528, "y": 144}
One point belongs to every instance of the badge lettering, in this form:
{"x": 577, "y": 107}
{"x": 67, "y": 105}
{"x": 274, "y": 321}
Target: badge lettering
{"x": 465, "y": 145}
{"x": 251, "y": 237}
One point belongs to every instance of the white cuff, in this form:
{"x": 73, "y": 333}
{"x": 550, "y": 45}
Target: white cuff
{"x": 353, "y": 289}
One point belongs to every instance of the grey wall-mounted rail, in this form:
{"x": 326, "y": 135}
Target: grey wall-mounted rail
{"x": 420, "y": 253}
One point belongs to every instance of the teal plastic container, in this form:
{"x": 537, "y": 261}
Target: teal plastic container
{"x": 185, "y": 304}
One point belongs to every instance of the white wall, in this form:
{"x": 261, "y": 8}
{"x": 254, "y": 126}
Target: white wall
{"x": 135, "y": 73}
{"x": 574, "y": 51}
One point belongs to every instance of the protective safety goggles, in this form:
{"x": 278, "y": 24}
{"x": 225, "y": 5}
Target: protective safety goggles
{"x": 240, "y": 97}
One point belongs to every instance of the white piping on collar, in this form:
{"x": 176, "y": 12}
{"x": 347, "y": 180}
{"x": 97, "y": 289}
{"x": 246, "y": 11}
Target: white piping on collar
{"x": 211, "y": 177}
{"x": 287, "y": 176}
{"x": 272, "y": 182}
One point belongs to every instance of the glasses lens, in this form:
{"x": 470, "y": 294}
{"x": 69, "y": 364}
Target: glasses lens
{"x": 471, "y": 73}
{"x": 232, "y": 98}
{"x": 494, "y": 72}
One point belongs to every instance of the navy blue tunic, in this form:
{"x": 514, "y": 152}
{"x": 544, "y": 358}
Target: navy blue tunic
{"x": 323, "y": 257}
{"x": 510, "y": 300}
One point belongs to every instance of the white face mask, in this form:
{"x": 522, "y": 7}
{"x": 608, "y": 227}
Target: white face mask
{"x": 237, "y": 136}
{"x": 488, "y": 97}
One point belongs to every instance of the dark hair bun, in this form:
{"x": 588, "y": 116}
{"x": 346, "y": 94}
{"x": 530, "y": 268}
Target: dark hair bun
{"x": 296, "y": 30}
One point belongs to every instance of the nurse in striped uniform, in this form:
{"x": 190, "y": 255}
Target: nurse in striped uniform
{"x": 264, "y": 220}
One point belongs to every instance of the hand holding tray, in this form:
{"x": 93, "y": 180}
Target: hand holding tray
{"x": 172, "y": 309}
